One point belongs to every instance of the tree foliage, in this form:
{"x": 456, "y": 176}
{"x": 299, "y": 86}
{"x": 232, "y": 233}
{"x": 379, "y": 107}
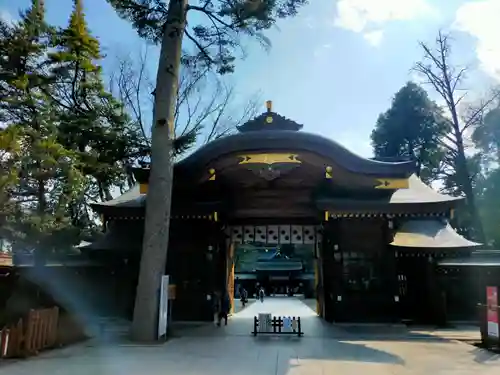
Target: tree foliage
{"x": 415, "y": 126}
{"x": 65, "y": 140}
{"x": 412, "y": 128}
{"x": 215, "y": 38}
{"x": 486, "y": 136}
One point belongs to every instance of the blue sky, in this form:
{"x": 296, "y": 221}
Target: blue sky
{"x": 336, "y": 66}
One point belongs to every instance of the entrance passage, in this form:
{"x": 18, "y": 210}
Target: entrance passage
{"x": 279, "y": 306}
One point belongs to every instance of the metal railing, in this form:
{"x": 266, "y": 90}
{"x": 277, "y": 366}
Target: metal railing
{"x": 278, "y": 326}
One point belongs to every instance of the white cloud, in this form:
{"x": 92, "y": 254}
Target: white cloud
{"x": 480, "y": 20}
{"x": 361, "y": 16}
{"x": 374, "y": 37}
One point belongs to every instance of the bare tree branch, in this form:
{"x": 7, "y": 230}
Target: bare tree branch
{"x": 204, "y": 103}
{"x": 446, "y": 81}
{"x": 475, "y": 114}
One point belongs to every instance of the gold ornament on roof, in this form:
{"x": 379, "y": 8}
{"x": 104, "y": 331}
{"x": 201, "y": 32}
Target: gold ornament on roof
{"x": 392, "y": 183}
{"x": 271, "y": 158}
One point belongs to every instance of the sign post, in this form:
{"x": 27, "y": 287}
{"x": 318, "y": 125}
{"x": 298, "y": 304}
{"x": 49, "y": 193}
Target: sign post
{"x": 164, "y": 307}
{"x": 492, "y": 312}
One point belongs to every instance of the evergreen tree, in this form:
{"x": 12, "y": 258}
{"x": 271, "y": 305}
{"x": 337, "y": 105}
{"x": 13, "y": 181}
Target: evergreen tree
{"x": 91, "y": 122}
{"x": 9, "y": 170}
{"x": 47, "y": 177}
{"x": 486, "y": 135}
{"x": 488, "y": 202}
{"x": 413, "y": 128}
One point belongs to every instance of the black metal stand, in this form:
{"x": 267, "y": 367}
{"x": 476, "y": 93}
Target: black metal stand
{"x": 277, "y": 325}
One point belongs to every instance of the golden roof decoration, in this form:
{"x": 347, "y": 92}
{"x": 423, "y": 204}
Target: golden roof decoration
{"x": 269, "y": 120}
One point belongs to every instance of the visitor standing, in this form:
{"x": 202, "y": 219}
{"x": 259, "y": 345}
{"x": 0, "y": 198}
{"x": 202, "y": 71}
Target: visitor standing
{"x": 224, "y": 308}
{"x": 261, "y": 294}
{"x": 216, "y": 299}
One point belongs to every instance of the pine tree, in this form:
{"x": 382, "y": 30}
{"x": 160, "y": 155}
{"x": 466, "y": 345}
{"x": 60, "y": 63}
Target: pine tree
{"x": 9, "y": 169}
{"x": 47, "y": 175}
{"x": 91, "y": 122}
{"x": 413, "y": 128}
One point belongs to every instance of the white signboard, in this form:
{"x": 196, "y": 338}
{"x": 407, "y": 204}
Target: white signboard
{"x": 265, "y": 322}
{"x": 491, "y": 311}
{"x": 163, "y": 313}
{"x": 287, "y": 324}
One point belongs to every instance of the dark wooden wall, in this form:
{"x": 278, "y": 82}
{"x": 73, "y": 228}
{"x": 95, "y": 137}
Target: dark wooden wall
{"x": 195, "y": 266}
{"x": 362, "y": 251}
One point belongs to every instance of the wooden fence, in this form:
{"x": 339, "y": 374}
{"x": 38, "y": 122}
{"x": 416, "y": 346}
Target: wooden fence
{"x": 31, "y": 335}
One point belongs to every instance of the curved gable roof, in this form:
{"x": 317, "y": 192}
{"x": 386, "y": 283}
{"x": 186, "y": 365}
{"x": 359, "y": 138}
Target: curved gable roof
{"x": 288, "y": 140}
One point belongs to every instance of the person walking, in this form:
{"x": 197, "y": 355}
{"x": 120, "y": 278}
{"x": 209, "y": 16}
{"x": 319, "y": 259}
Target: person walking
{"x": 224, "y": 308}
{"x": 244, "y": 297}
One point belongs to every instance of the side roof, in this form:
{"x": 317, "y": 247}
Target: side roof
{"x": 430, "y": 233}
{"x": 417, "y": 193}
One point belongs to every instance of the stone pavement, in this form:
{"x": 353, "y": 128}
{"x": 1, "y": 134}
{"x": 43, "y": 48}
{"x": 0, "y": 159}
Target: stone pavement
{"x": 325, "y": 349}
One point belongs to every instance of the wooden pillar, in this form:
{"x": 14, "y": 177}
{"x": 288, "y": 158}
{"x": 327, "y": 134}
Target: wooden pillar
{"x": 230, "y": 273}
{"x": 436, "y": 295}
{"x": 391, "y": 274}
{"x": 330, "y": 271}
{"x": 318, "y": 286}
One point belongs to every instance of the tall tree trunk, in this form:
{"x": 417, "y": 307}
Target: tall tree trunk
{"x": 464, "y": 180}
{"x": 158, "y": 203}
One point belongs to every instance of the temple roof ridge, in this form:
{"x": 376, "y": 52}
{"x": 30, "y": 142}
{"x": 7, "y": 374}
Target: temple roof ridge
{"x": 269, "y": 120}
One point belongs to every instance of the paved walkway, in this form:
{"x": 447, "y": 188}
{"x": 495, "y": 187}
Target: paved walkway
{"x": 325, "y": 349}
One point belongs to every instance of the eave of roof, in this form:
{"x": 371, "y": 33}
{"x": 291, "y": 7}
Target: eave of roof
{"x": 131, "y": 198}
{"x": 468, "y": 262}
{"x": 134, "y": 200}
{"x": 419, "y": 192}
{"x": 430, "y": 233}
{"x": 278, "y": 266}
{"x": 480, "y": 258}
{"x": 121, "y": 236}
{"x": 416, "y": 193}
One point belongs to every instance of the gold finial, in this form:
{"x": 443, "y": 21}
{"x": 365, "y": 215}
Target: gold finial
{"x": 211, "y": 171}
{"x": 328, "y": 172}
{"x": 269, "y": 105}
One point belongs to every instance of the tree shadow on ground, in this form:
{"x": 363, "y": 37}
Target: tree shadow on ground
{"x": 335, "y": 351}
